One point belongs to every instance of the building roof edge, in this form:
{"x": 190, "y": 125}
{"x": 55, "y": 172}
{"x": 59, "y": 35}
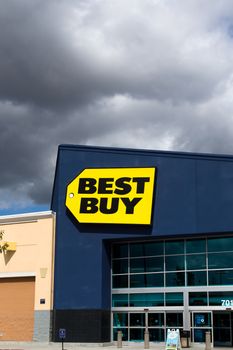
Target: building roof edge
{"x": 162, "y": 153}
{"x": 26, "y": 216}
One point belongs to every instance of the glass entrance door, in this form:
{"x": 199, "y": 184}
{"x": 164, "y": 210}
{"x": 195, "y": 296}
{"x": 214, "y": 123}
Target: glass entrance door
{"x": 222, "y": 327}
{"x": 201, "y": 323}
{"x": 137, "y": 326}
{"x": 155, "y": 322}
{"x": 133, "y": 324}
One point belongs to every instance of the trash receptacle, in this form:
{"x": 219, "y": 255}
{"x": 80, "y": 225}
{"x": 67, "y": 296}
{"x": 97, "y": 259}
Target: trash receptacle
{"x": 184, "y": 338}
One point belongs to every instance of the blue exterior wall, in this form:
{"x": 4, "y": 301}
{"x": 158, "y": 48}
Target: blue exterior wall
{"x": 193, "y": 195}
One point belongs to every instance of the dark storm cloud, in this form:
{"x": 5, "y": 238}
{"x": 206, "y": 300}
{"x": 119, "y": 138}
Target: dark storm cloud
{"x": 38, "y": 63}
{"x": 53, "y": 56}
{"x": 157, "y": 74}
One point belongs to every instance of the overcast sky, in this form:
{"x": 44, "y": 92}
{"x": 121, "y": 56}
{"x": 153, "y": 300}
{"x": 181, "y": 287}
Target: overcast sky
{"x": 152, "y": 74}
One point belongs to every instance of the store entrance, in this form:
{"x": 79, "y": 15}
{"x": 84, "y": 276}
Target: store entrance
{"x": 222, "y": 328}
{"x": 133, "y": 324}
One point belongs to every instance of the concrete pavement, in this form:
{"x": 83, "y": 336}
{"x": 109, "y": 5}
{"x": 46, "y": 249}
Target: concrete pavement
{"x": 87, "y": 346}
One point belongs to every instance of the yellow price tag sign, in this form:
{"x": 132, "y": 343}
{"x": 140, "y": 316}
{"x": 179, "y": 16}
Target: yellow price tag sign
{"x": 112, "y": 195}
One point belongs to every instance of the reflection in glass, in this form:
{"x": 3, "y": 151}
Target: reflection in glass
{"x": 174, "y": 279}
{"x": 174, "y": 263}
{"x": 174, "y": 299}
{"x": 196, "y": 278}
{"x": 222, "y": 319}
{"x": 137, "y": 334}
{"x": 119, "y": 300}
{"x": 195, "y": 246}
{"x": 147, "y": 264}
{"x": 221, "y": 277}
{"x": 222, "y": 337}
{"x": 120, "y": 250}
{"x": 197, "y": 298}
{"x": 147, "y": 299}
{"x": 156, "y": 335}
{"x": 220, "y": 244}
{"x": 146, "y": 249}
{"x": 222, "y": 328}
{"x": 120, "y": 319}
{"x": 174, "y": 319}
{"x": 220, "y": 260}
{"x": 174, "y": 247}
{"x": 216, "y": 298}
{"x": 120, "y": 266}
{"x": 196, "y": 262}
{"x": 120, "y": 281}
{"x": 155, "y": 320}
{"x": 137, "y": 320}
{"x": 147, "y": 280}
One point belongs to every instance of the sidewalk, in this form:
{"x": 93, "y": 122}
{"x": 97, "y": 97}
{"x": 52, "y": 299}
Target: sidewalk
{"x": 4, "y": 345}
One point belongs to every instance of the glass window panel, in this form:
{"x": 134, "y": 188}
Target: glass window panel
{"x": 120, "y": 281}
{"x": 137, "y": 249}
{"x": 155, "y": 280}
{"x": 147, "y": 280}
{"x": 202, "y": 319}
{"x": 174, "y": 319}
{"x": 174, "y": 263}
{"x": 197, "y": 278}
{"x": 120, "y": 251}
{"x": 220, "y": 244}
{"x": 146, "y": 249}
{"x": 222, "y": 337}
{"x": 174, "y": 247}
{"x": 138, "y": 281}
{"x": 120, "y": 266}
{"x": 138, "y": 265}
{"x": 147, "y": 299}
{"x": 119, "y": 300}
{"x": 174, "y": 299}
{"x": 154, "y": 248}
{"x": 155, "y": 320}
{"x": 175, "y": 279}
{"x": 154, "y": 264}
{"x": 137, "y": 320}
{"x": 137, "y": 334}
{"x": 221, "y": 298}
{"x": 124, "y": 333}
{"x": 156, "y": 335}
{"x": 196, "y": 262}
{"x": 220, "y": 261}
{"x": 120, "y": 319}
{"x": 221, "y": 278}
{"x": 146, "y": 264}
{"x": 199, "y": 335}
{"x": 222, "y": 320}
{"x": 197, "y": 298}
{"x": 195, "y": 246}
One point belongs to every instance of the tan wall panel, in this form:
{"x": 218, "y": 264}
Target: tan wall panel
{"x": 17, "y": 308}
{"x": 34, "y": 253}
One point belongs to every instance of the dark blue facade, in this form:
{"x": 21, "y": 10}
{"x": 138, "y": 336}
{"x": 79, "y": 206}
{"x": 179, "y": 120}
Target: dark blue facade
{"x": 193, "y": 196}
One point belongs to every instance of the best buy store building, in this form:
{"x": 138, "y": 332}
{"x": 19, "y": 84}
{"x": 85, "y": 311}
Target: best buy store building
{"x": 142, "y": 238}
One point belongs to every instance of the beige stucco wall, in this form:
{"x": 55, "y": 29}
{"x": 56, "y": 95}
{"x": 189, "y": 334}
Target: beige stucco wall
{"x": 34, "y": 236}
